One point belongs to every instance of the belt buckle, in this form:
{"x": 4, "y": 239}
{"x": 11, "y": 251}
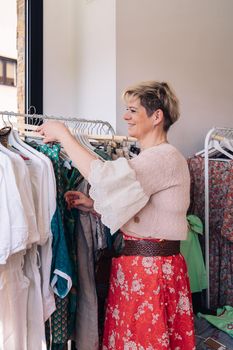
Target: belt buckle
{"x": 162, "y": 242}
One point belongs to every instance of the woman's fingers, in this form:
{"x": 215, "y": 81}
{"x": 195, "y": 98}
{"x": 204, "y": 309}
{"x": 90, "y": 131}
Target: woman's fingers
{"x": 51, "y": 130}
{"x": 39, "y": 128}
{"x": 73, "y": 198}
{"x": 76, "y": 202}
{"x": 69, "y": 194}
{"x": 79, "y": 200}
{"x": 74, "y": 194}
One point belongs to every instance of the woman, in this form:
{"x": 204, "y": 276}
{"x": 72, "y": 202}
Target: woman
{"x": 147, "y": 197}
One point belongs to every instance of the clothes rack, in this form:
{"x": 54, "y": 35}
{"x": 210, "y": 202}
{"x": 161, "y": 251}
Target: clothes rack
{"x": 219, "y": 134}
{"x": 28, "y": 122}
{"x": 93, "y": 129}
{"x": 50, "y": 179}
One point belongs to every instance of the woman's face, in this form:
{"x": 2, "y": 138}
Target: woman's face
{"x": 139, "y": 124}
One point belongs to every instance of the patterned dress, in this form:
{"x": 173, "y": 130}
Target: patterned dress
{"x": 220, "y": 223}
{"x": 64, "y": 250}
{"x": 149, "y": 305}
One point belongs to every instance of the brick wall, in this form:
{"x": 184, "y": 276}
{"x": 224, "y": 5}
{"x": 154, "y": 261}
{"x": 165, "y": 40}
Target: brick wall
{"x": 21, "y": 62}
{"x": 21, "y": 55}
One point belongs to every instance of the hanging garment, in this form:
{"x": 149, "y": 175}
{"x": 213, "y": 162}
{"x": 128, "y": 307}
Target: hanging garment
{"x": 5, "y": 220}
{"x": 86, "y": 332}
{"x": 35, "y": 315}
{"x": 59, "y": 319}
{"x": 15, "y": 230}
{"x": 14, "y": 287}
{"x": 43, "y": 189}
{"x": 63, "y": 270}
{"x": 223, "y": 320}
{"x": 48, "y": 202}
{"x": 44, "y": 197}
{"x": 220, "y": 227}
{"x": 149, "y": 304}
{"x": 23, "y": 178}
{"x": 23, "y": 182}
{"x": 191, "y": 250}
{"x": 40, "y": 176}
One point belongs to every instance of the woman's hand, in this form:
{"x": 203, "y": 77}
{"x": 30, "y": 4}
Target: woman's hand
{"x": 80, "y": 156}
{"x": 79, "y": 200}
{"x": 53, "y": 131}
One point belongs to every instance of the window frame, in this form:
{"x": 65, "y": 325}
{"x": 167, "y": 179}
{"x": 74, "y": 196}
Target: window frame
{"x": 34, "y": 56}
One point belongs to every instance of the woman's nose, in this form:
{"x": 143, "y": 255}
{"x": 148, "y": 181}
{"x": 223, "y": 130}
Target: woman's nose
{"x": 126, "y": 116}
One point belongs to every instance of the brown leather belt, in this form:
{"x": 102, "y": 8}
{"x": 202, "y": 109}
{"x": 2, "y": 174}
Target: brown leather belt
{"x": 150, "y": 248}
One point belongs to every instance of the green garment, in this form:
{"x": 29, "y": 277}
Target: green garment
{"x": 223, "y": 320}
{"x": 62, "y": 320}
{"x": 191, "y": 250}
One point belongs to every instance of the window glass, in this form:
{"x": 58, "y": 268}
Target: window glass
{"x": 1, "y": 72}
{"x": 11, "y": 73}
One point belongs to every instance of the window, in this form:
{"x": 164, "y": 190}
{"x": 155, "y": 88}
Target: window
{"x": 8, "y": 71}
{"x": 34, "y": 56}
{"x": 1, "y": 72}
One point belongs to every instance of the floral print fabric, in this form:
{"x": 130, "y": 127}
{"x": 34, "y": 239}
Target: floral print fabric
{"x": 220, "y": 223}
{"x": 149, "y": 305}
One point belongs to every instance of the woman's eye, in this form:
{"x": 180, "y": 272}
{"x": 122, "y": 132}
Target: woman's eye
{"x": 132, "y": 110}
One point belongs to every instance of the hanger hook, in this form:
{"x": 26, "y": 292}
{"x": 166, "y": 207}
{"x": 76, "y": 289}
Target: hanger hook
{"x": 9, "y": 121}
{"x": 3, "y": 119}
{"x": 101, "y": 127}
{"x": 33, "y": 110}
{"x": 93, "y": 127}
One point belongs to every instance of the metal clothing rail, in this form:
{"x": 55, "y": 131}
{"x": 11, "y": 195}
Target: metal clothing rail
{"x": 219, "y": 134}
{"x": 93, "y": 129}
{"x": 28, "y": 122}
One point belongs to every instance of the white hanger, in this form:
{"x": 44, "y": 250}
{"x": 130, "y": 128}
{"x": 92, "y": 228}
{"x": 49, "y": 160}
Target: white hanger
{"x": 216, "y": 145}
{"x": 83, "y": 139}
{"x": 228, "y": 144}
{"x": 211, "y": 151}
{"x": 22, "y": 146}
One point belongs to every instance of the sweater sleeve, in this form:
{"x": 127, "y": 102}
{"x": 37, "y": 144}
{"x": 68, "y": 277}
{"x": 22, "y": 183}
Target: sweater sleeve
{"x": 116, "y": 192}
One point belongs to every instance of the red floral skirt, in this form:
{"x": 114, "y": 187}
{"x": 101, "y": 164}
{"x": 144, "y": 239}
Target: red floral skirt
{"x": 149, "y": 305}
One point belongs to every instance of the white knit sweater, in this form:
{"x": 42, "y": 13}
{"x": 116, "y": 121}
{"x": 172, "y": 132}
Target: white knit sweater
{"x": 147, "y": 196}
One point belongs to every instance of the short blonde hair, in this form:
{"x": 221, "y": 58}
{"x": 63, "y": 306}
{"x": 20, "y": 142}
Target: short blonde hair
{"x": 155, "y": 95}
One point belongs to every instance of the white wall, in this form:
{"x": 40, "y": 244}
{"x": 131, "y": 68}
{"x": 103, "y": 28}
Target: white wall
{"x": 59, "y": 57}
{"x": 93, "y": 49}
{"x": 8, "y": 22}
{"x": 96, "y": 60}
{"x": 79, "y": 59}
{"x": 8, "y": 98}
{"x": 187, "y": 43}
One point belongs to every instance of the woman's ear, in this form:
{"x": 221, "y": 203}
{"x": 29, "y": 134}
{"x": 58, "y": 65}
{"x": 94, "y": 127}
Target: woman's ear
{"x": 157, "y": 117}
